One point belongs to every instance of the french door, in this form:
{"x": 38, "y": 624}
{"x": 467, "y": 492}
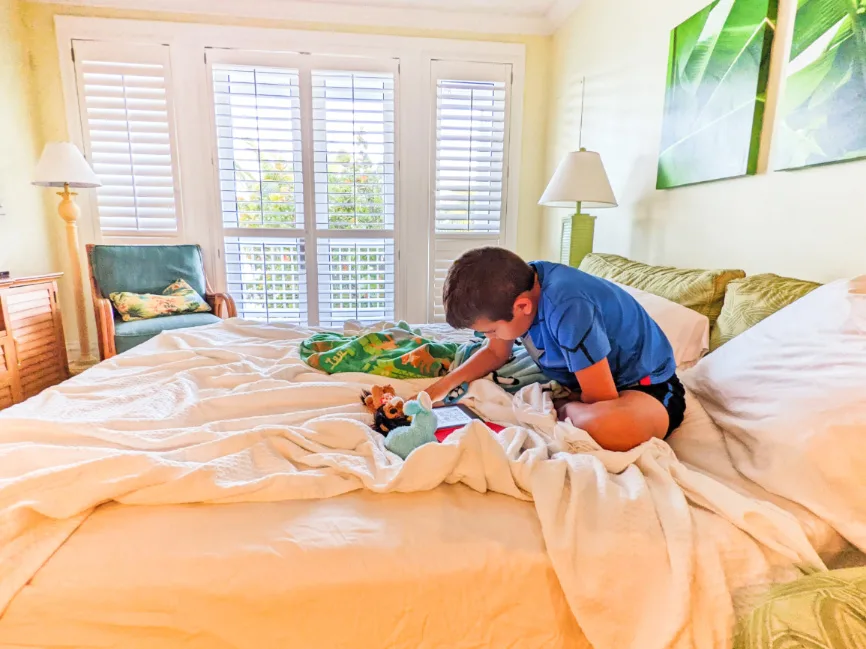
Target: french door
{"x": 305, "y": 163}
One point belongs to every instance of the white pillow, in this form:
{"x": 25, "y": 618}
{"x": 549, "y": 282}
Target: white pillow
{"x": 688, "y": 331}
{"x": 790, "y": 393}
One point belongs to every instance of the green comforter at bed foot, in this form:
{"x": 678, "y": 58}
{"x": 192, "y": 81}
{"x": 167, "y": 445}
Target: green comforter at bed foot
{"x": 398, "y": 353}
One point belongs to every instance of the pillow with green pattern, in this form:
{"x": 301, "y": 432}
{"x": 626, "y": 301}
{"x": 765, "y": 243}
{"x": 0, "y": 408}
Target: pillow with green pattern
{"x": 700, "y": 290}
{"x": 826, "y": 610}
{"x": 750, "y": 300}
{"x": 178, "y": 298}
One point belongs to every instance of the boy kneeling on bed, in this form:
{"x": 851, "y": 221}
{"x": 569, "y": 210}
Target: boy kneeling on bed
{"x": 583, "y": 331}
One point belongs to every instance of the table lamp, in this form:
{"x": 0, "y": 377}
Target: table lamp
{"x": 579, "y": 180}
{"x": 62, "y": 165}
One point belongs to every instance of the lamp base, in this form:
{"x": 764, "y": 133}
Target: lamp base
{"x": 70, "y": 212}
{"x": 578, "y": 233}
{"x": 78, "y": 366}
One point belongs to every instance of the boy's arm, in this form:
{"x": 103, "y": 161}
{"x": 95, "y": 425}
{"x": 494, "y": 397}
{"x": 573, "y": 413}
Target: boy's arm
{"x": 580, "y": 332}
{"x": 596, "y": 383}
{"x": 493, "y": 356}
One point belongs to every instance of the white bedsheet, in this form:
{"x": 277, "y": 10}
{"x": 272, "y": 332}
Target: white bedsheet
{"x": 644, "y": 548}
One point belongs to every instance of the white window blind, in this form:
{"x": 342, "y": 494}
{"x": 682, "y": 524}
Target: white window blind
{"x": 470, "y": 155}
{"x": 258, "y": 121}
{"x": 356, "y": 280}
{"x": 329, "y": 260}
{"x": 267, "y": 278}
{"x": 565, "y": 247}
{"x": 127, "y": 121}
{"x": 470, "y": 171}
{"x": 353, "y": 131}
{"x": 353, "y": 143}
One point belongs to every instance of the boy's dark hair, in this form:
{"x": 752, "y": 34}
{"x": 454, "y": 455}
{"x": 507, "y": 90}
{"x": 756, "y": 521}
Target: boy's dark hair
{"x": 484, "y": 283}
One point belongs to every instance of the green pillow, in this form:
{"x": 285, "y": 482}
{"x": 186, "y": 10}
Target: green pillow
{"x": 750, "y": 300}
{"x": 700, "y": 290}
{"x": 178, "y": 298}
{"x": 826, "y": 610}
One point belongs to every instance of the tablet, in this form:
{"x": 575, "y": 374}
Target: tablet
{"x": 454, "y": 416}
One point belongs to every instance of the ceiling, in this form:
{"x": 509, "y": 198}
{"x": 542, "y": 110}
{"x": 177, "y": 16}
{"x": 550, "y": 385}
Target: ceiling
{"x": 475, "y": 16}
{"x": 513, "y": 7}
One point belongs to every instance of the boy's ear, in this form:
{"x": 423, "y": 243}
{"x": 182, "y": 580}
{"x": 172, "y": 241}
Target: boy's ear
{"x": 523, "y": 305}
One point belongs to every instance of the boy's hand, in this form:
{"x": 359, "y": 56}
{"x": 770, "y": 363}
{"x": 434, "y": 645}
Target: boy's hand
{"x": 489, "y": 359}
{"x": 436, "y": 392}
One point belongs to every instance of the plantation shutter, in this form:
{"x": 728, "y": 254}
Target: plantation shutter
{"x": 353, "y": 144}
{"x": 307, "y": 174}
{"x": 565, "y": 246}
{"x": 128, "y": 126}
{"x": 259, "y": 149}
{"x": 470, "y": 171}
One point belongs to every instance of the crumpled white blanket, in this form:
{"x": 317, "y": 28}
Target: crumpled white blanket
{"x": 229, "y": 413}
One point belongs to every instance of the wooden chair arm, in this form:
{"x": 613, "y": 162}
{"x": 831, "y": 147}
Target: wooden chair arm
{"x": 104, "y": 313}
{"x": 222, "y": 302}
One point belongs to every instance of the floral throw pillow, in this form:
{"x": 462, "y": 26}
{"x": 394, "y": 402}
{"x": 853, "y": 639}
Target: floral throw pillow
{"x": 178, "y": 298}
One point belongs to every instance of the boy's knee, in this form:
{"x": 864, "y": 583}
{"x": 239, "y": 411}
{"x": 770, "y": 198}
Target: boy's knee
{"x": 578, "y": 413}
{"x": 618, "y": 425}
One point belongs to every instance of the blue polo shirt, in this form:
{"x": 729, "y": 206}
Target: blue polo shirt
{"x": 582, "y": 319}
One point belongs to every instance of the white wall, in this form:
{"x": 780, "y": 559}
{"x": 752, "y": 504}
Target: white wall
{"x": 25, "y": 245}
{"x": 808, "y": 223}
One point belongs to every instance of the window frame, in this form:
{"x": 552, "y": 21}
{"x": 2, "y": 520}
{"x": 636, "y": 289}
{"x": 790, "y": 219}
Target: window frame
{"x": 198, "y": 194}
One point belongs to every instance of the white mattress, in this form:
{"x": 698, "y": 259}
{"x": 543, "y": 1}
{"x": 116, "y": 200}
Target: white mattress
{"x": 445, "y": 568}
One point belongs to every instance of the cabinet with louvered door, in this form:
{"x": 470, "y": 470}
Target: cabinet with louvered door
{"x": 34, "y": 351}
{"x": 10, "y": 390}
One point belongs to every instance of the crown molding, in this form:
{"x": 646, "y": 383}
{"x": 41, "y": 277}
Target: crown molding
{"x": 559, "y": 12}
{"x": 310, "y": 11}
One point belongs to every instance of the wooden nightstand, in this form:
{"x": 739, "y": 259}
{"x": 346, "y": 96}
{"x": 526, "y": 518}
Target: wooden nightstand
{"x": 32, "y": 345}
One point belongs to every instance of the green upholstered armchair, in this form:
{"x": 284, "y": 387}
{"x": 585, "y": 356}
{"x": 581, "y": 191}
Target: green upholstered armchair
{"x": 147, "y": 269}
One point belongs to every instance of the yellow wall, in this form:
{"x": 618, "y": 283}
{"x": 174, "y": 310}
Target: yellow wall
{"x": 25, "y": 244}
{"x": 808, "y": 223}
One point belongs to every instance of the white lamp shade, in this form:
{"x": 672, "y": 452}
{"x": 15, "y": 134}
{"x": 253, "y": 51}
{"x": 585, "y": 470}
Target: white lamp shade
{"x": 62, "y": 163}
{"x": 580, "y": 178}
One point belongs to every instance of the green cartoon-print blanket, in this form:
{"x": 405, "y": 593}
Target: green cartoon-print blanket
{"x": 398, "y": 352}
{"x": 402, "y": 353}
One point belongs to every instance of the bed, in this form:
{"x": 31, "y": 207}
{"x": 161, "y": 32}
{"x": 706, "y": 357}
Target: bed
{"x": 449, "y": 567}
{"x": 208, "y": 490}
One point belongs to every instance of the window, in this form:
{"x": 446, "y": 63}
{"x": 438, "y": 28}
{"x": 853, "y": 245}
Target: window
{"x": 471, "y": 142}
{"x": 334, "y": 261}
{"x": 326, "y": 176}
{"x": 126, "y": 117}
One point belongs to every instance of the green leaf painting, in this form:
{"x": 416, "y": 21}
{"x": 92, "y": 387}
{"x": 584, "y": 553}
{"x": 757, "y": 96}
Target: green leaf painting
{"x": 714, "y": 107}
{"x": 823, "y": 109}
